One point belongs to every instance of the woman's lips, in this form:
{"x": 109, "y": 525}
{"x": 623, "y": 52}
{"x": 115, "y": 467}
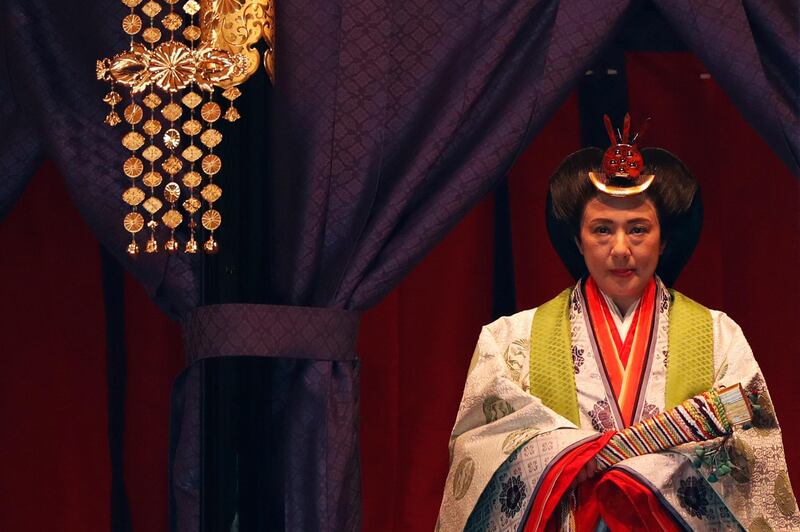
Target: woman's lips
{"x": 623, "y": 272}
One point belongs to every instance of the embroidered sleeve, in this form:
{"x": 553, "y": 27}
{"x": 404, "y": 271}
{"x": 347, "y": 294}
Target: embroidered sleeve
{"x": 496, "y": 417}
{"x": 758, "y": 491}
{"x": 701, "y": 418}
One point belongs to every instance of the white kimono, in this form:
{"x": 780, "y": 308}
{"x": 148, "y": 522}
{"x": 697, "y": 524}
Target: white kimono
{"x": 504, "y": 438}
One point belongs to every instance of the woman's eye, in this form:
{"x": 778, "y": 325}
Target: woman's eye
{"x": 602, "y": 230}
{"x": 638, "y": 230}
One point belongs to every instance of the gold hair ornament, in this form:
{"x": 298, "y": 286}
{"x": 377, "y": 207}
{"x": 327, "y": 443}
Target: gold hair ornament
{"x": 622, "y": 163}
{"x": 174, "y": 79}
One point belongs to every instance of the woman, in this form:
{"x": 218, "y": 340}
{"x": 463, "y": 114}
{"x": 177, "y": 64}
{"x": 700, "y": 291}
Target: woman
{"x": 619, "y": 403}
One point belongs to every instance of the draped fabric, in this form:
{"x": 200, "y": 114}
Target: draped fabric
{"x": 752, "y": 48}
{"x": 391, "y": 120}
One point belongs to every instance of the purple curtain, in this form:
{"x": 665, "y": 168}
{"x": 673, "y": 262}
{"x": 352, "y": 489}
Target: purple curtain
{"x": 752, "y": 48}
{"x": 393, "y": 119}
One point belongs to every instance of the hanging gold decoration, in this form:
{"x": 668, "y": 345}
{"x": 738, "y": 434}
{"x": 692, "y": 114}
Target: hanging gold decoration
{"x": 236, "y": 26}
{"x": 186, "y": 51}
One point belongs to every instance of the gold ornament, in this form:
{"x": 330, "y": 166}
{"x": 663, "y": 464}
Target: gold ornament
{"x": 211, "y": 137}
{"x": 211, "y": 164}
{"x": 172, "y": 165}
{"x": 232, "y": 114}
{"x": 112, "y": 119}
{"x": 192, "y": 100}
{"x": 192, "y": 127}
{"x": 172, "y": 111}
{"x": 191, "y": 7}
{"x": 133, "y": 140}
{"x": 211, "y": 219}
{"x": 151, "y": 35}
{"x": 192, "y": 205}
{"x": 192, "y": 179}
{"x": 231, "y": 93}
{"x": 172, "y": 66}
{"x": 151, "y": 127}
{"x": 151, "y": 246}
{"x": 192, "y": 153}
{"x": 133, "y": 196}
{"x": 152, "y": 179}
{"x": 172, "y": 138}
{"x": 132, "y": 24}
{"x": 211, "y": 192}
{"x": 171, "y": 246}
{"x": 172, "y": 191}
{"x": 172, "y": 21}
{"x": 177, "y": 72}
{"x": 133, "y": 249}
{"x": 191, "y": 33}
{"x": 152, "y": 205}
{"x": 152, "y": 100}
{"x": 210, "y": 111}
{"x": 133, "y": 167}
{"x": 152, "y": 153}
{"x": 236, "y": 27}
{"x": 133, "y": 222}
{"x": 151, "y": 9}
{"x": 112, "y": 98}
{"x": 191, "y": 246}
{"x": 133, "y": 114}
{"x": 211, "y": 246}
{"x": 172, "y": 218}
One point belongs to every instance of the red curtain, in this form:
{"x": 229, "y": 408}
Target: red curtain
{"x": 415, "y": 345}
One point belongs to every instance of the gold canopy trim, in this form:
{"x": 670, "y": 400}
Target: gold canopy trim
{"x": 236, "y": 26}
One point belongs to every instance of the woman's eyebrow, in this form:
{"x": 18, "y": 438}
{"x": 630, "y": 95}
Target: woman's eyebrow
{"x": 639, "y": 220}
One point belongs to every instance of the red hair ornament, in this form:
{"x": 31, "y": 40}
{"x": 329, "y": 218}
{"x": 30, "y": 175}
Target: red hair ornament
{"x": 622, "y": 163}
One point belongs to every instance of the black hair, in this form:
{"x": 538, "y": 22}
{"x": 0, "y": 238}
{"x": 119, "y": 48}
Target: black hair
{"x": 674, "y": 193}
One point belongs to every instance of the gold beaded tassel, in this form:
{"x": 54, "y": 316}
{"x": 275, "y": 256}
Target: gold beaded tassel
{"x": 153, "y": 177}
{"x": 211, "y": 165}
{"x": 152, "y": 127}
{"x": 112, "y": 99}
{"x": 191, "y": 128}
{"x": 173, "y": 72}
{"x": 232, "y": 114}
{"x": 133, "y": 140}
{"x": 172, "y": 137}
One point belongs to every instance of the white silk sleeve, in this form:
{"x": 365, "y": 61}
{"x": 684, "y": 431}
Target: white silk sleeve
{"x": 758, "y": 491}
{"x": 497, "y": 414}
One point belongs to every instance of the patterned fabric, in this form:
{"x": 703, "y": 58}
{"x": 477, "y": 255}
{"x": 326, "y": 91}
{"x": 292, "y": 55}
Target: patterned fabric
{"x": 505, "y": 502}
{"x": 757, "y": 493}
{"x": 752, "y": 49}
{"x": 270, "y": 330}
{"x": 551, "y": 379}
{"x": 623, "y": 361}
{"x": 698, "y": 419}
{"x": 690, "y": 370}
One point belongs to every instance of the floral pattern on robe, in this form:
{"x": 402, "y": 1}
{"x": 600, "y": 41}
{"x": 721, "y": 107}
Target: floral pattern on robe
{"x": 506, "y": 452}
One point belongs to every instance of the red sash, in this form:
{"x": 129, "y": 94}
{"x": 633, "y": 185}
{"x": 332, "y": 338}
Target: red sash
{"x": 624, "y": 361}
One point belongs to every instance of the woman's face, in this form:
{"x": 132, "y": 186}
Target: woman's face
{"x": 620, "y": 240}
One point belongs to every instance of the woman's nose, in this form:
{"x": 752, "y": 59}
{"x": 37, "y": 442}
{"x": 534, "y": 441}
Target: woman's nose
{"x": 620, "y": 246}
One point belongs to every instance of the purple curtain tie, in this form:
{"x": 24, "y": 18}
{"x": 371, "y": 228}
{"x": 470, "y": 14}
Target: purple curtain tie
{"x": 272, "y": 331}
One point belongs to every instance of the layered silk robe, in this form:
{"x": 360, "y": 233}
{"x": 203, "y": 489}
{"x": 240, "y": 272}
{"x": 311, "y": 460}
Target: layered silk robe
{"x": 506, "y": 441}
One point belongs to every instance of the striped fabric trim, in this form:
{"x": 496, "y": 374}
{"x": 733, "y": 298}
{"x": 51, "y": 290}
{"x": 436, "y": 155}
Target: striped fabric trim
{"x": 697, "y": 419}
{"x": 623, "y": 360}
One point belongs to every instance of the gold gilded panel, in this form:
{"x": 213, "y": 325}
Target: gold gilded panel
{"x": 236, "y": 26}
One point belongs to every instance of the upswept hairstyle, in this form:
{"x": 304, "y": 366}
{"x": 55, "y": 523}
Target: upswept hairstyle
{"x": 674, "y": 193}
